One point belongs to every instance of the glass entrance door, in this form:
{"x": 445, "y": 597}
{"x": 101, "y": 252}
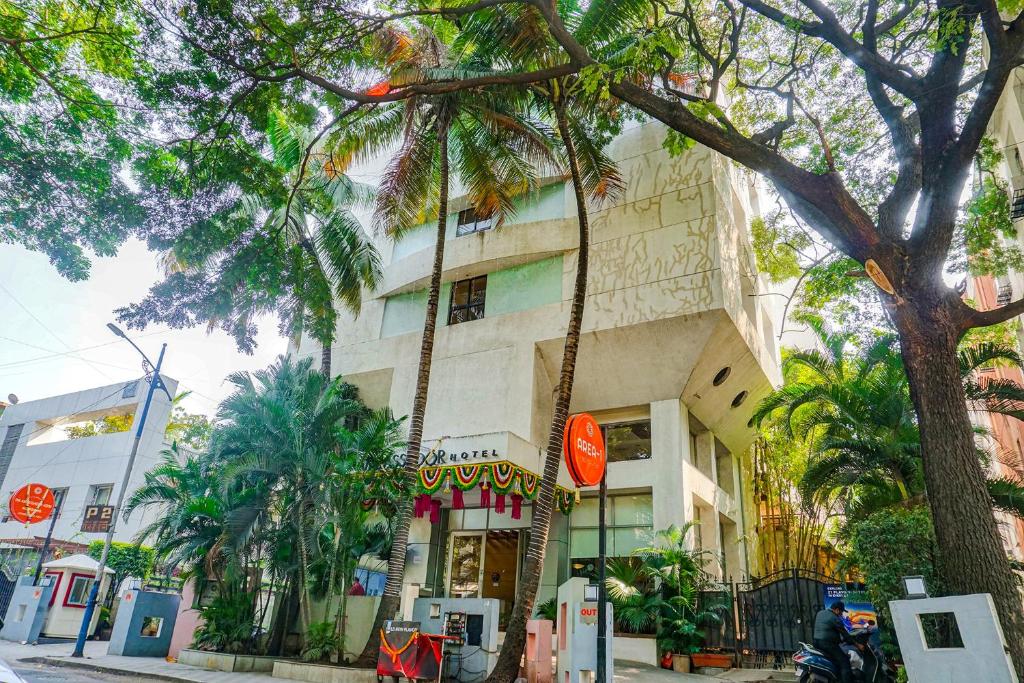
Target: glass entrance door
{"x": 465, "y": 562}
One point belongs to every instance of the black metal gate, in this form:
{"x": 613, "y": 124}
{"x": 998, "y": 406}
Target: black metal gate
{"x": 776, "y": 613}
{"x": 765, "y": 619}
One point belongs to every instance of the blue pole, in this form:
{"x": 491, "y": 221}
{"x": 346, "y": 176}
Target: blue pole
{"x": 90, "y": 606}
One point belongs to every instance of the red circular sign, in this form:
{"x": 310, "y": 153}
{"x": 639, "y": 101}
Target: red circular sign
{"x": 32, "y": 503}
{"x": 585, "y": 455}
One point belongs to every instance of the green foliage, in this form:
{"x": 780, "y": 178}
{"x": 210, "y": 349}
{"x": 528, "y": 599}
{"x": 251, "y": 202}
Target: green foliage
{"x": 66, "y": 71}
{"x": 676, "y": 143}
{"x": 227, "y": 625}
{"x": 888, "y": 545}
{"x": 852, "y": 408}
{"x": 126, "y": 559}
{"x": 112, "y": 424}
{"x": 322, "y": 641}
{"x": 547, "y": 610}
{"x": 676, "y": 575}
{"x": 282, "y": 487}
{"x": 777, "y": 249}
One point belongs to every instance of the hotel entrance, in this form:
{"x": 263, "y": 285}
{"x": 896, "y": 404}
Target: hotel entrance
{"x": 486, "y": 564}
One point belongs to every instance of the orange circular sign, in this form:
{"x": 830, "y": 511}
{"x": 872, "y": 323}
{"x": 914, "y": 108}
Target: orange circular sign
{"x": 585, "y": 455}
{"x": 32, "y": 503}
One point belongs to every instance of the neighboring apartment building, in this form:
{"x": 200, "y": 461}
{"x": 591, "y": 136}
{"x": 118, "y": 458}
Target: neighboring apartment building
{"x": 1006, "y": 435}
{"x": 677, "y": 349}
{"x": 35, "y": 448}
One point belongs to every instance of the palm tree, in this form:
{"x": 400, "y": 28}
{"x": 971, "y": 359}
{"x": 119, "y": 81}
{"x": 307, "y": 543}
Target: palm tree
{"x": 856, "y": 411}
{"x": 488, "y": 139}
{"x": 518, "y": 36}
{"x": 277, "y": 438}
{"x": 189, "y": 526}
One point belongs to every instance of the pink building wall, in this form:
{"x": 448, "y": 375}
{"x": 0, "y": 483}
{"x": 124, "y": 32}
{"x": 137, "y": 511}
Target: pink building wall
{"x": 187, "y": 622}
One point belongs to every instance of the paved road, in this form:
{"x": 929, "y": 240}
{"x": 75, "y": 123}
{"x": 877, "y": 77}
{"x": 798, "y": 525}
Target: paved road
{"x": 39, "y": 673}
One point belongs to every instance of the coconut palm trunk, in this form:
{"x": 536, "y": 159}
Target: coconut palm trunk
{"x": 507, "y": 667}
{"x": 392, "y": 594}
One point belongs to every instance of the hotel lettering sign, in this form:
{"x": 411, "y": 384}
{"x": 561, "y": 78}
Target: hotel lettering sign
{"x": 436, "y": 457}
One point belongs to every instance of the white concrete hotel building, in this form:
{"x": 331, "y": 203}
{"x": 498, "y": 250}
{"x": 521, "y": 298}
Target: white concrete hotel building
{"x": 34, "y": 448}
{"x": 677, "y": 349}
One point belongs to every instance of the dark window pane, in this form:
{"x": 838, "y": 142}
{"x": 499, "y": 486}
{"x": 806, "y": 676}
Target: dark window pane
{"x": 628, "y": 441}
{"x": 468, "y": 300}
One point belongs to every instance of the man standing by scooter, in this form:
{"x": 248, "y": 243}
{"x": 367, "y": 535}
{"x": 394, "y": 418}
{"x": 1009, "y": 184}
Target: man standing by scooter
{"x": 829, "y": 632}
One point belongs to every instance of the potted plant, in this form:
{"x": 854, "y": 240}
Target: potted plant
{"x": 680, "y": 637}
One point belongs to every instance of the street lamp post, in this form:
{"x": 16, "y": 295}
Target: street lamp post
{"x": 154, "y": 383}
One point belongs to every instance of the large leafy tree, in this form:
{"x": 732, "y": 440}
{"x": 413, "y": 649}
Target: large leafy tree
{"x": 67, "y": 123}
{"x": 284, "y": 243}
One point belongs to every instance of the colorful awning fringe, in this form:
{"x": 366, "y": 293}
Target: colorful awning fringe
{"x": 503, "y": 477}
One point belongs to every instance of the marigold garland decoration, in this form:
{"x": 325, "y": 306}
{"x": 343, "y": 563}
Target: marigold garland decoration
{"x": 566, "y": 501}
{"x": 466, "y": 477}
{"x": 432, "y": 479}
{"x": 503, "y": 476}
{"x": 529, "y": 484}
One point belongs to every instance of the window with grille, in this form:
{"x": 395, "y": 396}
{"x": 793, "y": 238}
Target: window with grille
{"x": 1017, "y": 206}
{"x": 467, "y": 302}
{"x": 470, "y": 222}
{"x": 1004, "y": 294}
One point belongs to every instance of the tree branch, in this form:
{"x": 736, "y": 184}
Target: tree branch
{"x": 972, "y": 317}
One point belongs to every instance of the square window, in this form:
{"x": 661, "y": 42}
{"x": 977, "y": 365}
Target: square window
{"x": 99, "y": 494}
{"x": 78, "y": 593}
{"x": 151, "y": 627}
{"x": 940, "y": 630}
{"x": 58, "y": 500}
{"x": 467, "y": 301}
{"x": 470, "y": 222}
{"x": 628, "y": 440}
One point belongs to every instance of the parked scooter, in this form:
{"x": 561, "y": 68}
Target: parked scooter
{"x": 866, "y": 661}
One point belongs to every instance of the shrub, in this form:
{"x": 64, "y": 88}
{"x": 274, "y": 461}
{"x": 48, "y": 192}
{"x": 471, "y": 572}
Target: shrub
{"x": 321, "y": 642}
{"x": 227, "y": 625}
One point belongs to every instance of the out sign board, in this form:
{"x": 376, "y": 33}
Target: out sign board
{"x": 97, "y": 518}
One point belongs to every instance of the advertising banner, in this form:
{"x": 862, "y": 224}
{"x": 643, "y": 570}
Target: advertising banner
{"x": 859, "y": 612}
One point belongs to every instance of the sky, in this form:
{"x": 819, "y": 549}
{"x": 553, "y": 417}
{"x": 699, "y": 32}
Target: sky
{"x": 54, "y": 339}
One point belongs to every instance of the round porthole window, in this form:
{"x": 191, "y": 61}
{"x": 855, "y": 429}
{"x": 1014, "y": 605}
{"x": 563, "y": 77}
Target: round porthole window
{"x": 739, "y": 399}
{"x": 721, "y": 376}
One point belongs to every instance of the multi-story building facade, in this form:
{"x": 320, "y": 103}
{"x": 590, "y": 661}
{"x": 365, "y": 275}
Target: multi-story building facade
{"x": 676, "y": 350}
{"x": 35, "y": 448}
{"x": 1004, "y": 435}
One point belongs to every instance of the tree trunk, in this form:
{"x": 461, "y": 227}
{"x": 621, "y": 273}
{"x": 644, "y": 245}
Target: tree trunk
{"x": 282, "y": 618}
{"x": 507, "y": 667}
{"x": 392, "y": 595}
{"x": 971, "y": 554}
{"x": 325, "y": 360}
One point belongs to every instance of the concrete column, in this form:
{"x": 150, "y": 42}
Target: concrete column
{"x": 416, "y": 558}
{"x": 743, "y": 568}
{"x": 670, "y": 446}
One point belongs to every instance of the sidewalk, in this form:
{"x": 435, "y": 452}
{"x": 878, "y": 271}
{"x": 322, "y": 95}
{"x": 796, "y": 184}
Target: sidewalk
{"x": 97, "y": 659}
